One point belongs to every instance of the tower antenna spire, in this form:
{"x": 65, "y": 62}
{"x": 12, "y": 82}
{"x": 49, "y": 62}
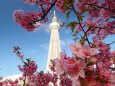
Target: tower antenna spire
{"x": 54, "y": 13}
{"x": 54, "y": 18}
{"x": 54, "y": 46}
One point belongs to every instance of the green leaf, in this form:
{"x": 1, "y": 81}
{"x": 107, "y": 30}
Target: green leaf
{"x": 41, "y": 73}
{"x": 90, "y": 63}
{"x": 81, "y": 36}
{"x": 97, "y": 78}
{"x": 82, "y": 41}
{"x": 83, "y": 82}
{"x": 18, "y": 48}
{"x": 72, "y": 25}
{"x": 62, "y": 24}
{"x": 25, "y": 64}
{"x": 67, "y": 14}
{"x": 86, "y": 9}
{"x": 89, "y": 72}
{"x": 28, "y": 60}
{"x": 80, "y": 17}
{"x": 100, "y": 80}
{"x": 66, "y": 2}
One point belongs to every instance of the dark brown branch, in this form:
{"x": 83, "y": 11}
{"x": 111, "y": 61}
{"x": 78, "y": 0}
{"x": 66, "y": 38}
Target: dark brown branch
{"x": 42, "y": 9}
{"x": 24, "y": 84}
{"x": 102, "y": 7}
{"x": 112, "y": 43}
{"x": 85, "y": 34}
{"x": 46, "y": 13}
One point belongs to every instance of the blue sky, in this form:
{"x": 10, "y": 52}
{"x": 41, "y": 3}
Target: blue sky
{"x": 33, "y": 44}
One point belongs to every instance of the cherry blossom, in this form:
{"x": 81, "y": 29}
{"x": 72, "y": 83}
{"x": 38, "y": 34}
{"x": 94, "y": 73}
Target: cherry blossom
{"x": 27, "y": 19}
{"x": 28, "y": 69}
{"x": 31, "y": 2}
{"x": 82, "y": 51}
{"x": 92, "y": 58}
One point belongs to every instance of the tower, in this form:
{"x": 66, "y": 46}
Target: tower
{"x": 54, "y": 46}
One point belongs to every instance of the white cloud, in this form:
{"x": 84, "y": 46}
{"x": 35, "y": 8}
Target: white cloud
{"x": 63, "y": 43}
{"x": 45, "y": 46}
{"x": 68, "y": 41}
{"x": 45, "y": 27}
{"x": 67, "y": 32}
{"x": 33, "y": 51}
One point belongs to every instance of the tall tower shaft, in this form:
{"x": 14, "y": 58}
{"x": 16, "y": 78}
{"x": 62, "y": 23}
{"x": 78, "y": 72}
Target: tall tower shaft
{"x": 54, "y": 46}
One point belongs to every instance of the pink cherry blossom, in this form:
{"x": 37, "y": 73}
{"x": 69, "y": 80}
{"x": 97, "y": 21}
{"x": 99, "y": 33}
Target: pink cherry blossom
{"x": 59, "y": 63}
{"x": 29, "y": 69}
{"x": 87, "y": 51}
{"x": 91, "y": 61}
{"x": 111, "y": 80}
{"x": 92, "y": 82}
{"x": 65, "y": 81}
{"x": 31, "y": 2}
{"x": 59, "y": 66}
{"x": 75, "y": 47}
{"x": 59, "y": 5}
{"x": 74, "y": 68}
{"x": 26, "y": 20}
{"x": 82, "y": 51}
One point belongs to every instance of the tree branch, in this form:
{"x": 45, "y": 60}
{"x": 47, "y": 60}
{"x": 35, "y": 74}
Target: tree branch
{"x": 24, "y": 81}
{"x": 85, "y": 33}
{"x": 45, "y": 13}
{"x": 102, "y": 7}
{"x": 112, "y": 43}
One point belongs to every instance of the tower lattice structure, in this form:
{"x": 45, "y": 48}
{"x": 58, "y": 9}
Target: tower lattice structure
{"x": 54, "y": 46}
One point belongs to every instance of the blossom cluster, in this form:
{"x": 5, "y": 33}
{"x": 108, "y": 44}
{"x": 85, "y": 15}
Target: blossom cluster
{"x": 100, "y": 17}
{"x": 92, "y": 62}
{"x": 96, "y": 7}
{"x": 82, "y": 51}
{"x": 9, "y": 82}
{"x": 87, "y": 65}
{"x": 32, "y": 20}
{"x": 27, "y": 20}
{"x": 28, "y": 69}
{"x": 42, "y": 79}
{"x": 59, "y": 5}
{"x": 31, "y": 2}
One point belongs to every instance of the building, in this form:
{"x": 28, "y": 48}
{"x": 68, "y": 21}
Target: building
{"x": 54, "y": 46}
